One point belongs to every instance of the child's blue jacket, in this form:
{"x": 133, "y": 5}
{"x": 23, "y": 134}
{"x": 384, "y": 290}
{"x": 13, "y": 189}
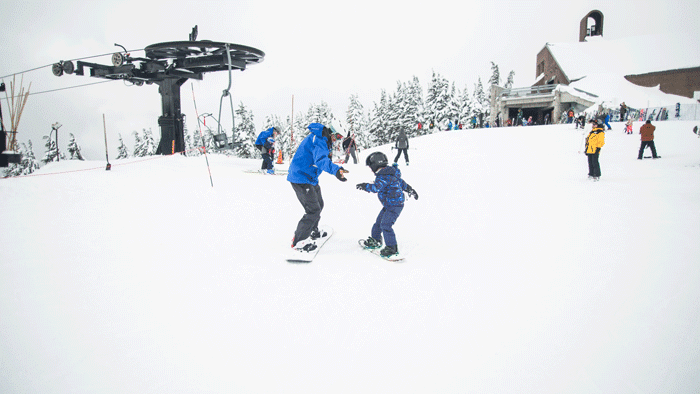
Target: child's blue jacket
{"x": 389, "y": 186}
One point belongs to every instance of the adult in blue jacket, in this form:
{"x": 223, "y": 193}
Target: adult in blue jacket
{"x": 265, "y": 144}
{"x": 311, "y": 158}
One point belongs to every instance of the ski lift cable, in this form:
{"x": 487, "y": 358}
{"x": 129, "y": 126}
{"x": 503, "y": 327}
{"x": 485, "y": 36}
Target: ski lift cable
{"x": 70, "y": 60}
{"x": 58, "y": 89}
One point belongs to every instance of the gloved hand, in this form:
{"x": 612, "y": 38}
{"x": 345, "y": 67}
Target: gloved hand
{"x": 339, "y": 174}
{"x": 412, "y": 193}
{"x": 362, "y": 186}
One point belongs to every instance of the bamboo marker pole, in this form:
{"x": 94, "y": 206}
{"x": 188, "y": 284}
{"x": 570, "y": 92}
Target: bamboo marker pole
{"x": 104, "y": 124}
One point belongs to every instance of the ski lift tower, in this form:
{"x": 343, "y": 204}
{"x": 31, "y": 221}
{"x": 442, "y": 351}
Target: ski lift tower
{"x": 169, "y": 65}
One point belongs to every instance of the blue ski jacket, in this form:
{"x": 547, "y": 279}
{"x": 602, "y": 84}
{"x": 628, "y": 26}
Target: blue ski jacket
{"x": 262, "y": 137}
{"x": 311, "y": 158}
{"x": 389, "y": 186}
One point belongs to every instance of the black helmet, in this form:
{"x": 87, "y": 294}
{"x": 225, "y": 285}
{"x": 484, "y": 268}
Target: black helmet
{"x": 376, "y": 160}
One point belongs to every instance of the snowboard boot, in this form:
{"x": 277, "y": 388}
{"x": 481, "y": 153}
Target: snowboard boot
{"x": 316, "y": 234}
{"x": 389, "y": 251}
{"x": 371, "y": 243}
{"x": 305, "y": 245}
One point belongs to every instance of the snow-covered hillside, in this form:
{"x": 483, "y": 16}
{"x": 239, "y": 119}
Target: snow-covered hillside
{"x": 522, "y": 276}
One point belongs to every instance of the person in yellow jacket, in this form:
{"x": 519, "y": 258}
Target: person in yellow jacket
{"x": 594, "y": 142}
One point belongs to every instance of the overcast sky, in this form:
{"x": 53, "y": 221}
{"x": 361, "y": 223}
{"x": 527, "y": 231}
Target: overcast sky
{"x": 315, "y": 50}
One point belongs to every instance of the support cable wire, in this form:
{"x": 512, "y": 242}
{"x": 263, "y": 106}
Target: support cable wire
{"x": 199, "y": 124}
{"x": 70, "y": 60}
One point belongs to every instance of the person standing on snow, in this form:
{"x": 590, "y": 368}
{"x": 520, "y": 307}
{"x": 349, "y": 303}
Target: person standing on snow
{"x": 594, "y": 142}
{"x": 265, "y": 144}
{"x": 390, "y": 187}
{"x": 349, "y": 146}
{"x": 311, "y": 158}
{"x": 623, "y": 111}
{"x": 647, "y": 132}
{"x": 402, "y": 146}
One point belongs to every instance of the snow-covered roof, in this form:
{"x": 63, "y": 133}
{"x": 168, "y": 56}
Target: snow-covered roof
{"x": 626, "y": 56}
{"x": 599, "y": 65}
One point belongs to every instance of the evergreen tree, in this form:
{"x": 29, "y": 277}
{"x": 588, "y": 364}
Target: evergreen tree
{"x": 26, "y": 166}
{"x": 74, "y": 149}
{"x": 454, "y": 112}
{"x": 51, "y": 152}
{"x": 437, "y": 102}
{"x": 29, "y": 162}
{"x": 357, "y": 122}
{"x": 465, "y": 108}
{"x": 139, "y": 149}
{"x": 480, "y": 110}
{"x": 123, "y": 152}
{"x": 379, "y": 122}
{"x": 149, "y": 144}
{"x": 495, "y": 75}
{"x": 245, "y": 134}
{"x": 509, "y": 81}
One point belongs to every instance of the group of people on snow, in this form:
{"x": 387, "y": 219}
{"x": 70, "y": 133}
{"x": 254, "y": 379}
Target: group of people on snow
{"x": 596, "y": 139}
{"x": 313, "y": 156}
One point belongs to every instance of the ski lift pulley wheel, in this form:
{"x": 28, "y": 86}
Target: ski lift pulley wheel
{"x": 117, "y": 59}
{"x": 63, "y": 67}
{"x": 195, "y": 49}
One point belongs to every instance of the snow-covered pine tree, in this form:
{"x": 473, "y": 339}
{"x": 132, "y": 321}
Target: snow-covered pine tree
{"x": 122, "y": 151}
{"x": 413, "y": 111}
{"x": 465, "y": 108}
{"x": 16, "y": 169}
{"x": 495, "y": 75}
{"x": 245, "y": 134}
{"x": 479, "y": 110}
{"x": 139, "y": 149}
{"x": 51, "y": 152}
{"x": 453, "y": 113}
{"x": 29, "y": 162}
{"x": 357, "y": 122}
{"x": 74, "y": 149}
{"x": 149, "y": 143}
{"x": 379, "y": 121}
{"x": 437, "y": 102}
{"x": 509, "y": 81}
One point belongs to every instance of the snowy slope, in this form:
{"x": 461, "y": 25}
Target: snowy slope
{"x": 525, "y": 277}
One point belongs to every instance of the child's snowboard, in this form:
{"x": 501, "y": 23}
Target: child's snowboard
{"x": 296, "y": 256}
{"x": 377, "y": 251}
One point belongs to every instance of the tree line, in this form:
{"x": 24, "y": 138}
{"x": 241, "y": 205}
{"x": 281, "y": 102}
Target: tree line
{"x": 443, "y": 106}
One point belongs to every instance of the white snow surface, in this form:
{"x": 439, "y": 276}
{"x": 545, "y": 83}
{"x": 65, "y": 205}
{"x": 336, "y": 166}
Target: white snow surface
{"x": 524, "y": 276}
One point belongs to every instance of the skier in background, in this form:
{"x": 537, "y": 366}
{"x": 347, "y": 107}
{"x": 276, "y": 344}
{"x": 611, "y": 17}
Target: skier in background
{"x": 350, "y": 146}
{"x": 390, "y": 187}
{"x": 402, "y": 146}
{"x": 265, "y": 144}
{"x": 312, "y": 157}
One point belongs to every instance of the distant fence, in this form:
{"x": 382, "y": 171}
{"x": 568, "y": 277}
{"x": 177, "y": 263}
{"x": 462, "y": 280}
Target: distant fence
{"x": 679, "y": 112}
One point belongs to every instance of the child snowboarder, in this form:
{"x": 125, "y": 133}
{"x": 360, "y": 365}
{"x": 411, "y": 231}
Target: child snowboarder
{"x": 594, "y": 142}
{"x": 390, "y": 187}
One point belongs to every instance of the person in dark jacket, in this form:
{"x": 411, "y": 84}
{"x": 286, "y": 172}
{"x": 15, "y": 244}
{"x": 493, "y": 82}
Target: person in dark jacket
{"x": 265, "y": 144}
{"x": 350, "y": 146}
{"x": 647, "y": 132}
{"x": 311, "y": 158}
{"x": 390, "y": 187}
{"x": 402, "y": 146}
